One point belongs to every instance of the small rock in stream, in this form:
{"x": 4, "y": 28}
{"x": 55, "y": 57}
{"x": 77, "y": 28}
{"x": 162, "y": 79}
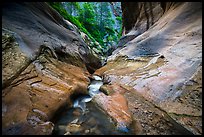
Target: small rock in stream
{"x": 73, "y": 128}
{"x": 67, "y": 133}
{"x": 97, "y": 78}
{"x": 122, "y": 127}
{"x": 86, "y": 131}
{"x": 61, "y": 127}
{"x": 75, "y": 121}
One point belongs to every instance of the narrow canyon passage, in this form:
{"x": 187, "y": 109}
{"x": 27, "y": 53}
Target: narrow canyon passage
{"x": 102, "y": 68}
{"x": 85, "y": 118}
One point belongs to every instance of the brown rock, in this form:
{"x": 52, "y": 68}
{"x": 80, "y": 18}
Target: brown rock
{"x": 49, "y": 33}
{"x": 91, "y": 121}
{"x": 106, "y": 89}
{"x": 113, "y": 88}
{"x": 115, "y": 106}
{"x": 73, "y": 128}
{"x": 32, "y": 96}
{"x": 77, "y": 112}
{"x": 137, "y": 127}
{"x": 60, "y": 64}
{"x": 160, "y": 60}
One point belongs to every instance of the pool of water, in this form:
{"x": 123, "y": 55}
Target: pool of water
{"x": 92, "y": 122}
{"x": 85, "y": 118}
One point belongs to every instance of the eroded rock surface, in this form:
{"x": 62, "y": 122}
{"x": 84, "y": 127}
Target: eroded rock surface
{"x": 39, "y": 92}
{"x": 152, "y": 83}
{"x": 45, "y": 61}
{"x": 38, "y": 24}
{"x": 163, "y": 65}
{"x": 116, "y": 107}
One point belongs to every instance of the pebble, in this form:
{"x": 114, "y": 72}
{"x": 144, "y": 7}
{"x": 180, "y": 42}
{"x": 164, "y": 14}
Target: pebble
{"x": 73, "y": 128}
{"x": 92, "y": 121}
{"x": 76, "y": 112}
{"x": 74, "y": 121}
{"x": 93, "y": 129}
{"x": 169, "y": 124}
{"x": 137, "y": 106}
{"x": 98, "y": 132}
{"x": 86, "y": 131}
{"x": 61, "y": 127}
{"x": 67, "y": 133}
{"x": 145, "y": 111}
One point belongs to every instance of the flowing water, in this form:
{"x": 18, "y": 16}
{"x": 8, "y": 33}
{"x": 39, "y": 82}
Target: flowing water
{"x": 92, "y": 122}
{"x": 84, "y": 118}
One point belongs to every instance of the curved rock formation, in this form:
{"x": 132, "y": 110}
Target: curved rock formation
{"x": 161, "y": 66}
{"x": 38, "y": 24}
{"x": 152, "y": 81}
{"x": 45, "y": 60}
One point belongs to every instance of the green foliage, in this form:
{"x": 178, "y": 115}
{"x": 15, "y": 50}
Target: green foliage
{"x": 94, "y": 19}
{"x": 110, "y": 31}
{"x": 87, "y": 17}
{"x": 120, "y": 33}
{"x": 71, "y": 7}
{"x": 58, "y": 6}
{"x": 119, "y": 19}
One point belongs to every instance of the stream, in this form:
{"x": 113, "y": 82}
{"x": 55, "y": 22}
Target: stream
{"x": 84, "y": 117}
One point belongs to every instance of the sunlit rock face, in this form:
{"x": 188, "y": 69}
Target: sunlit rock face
{"x": 44, "y": 62}
{"x": 164, "y": 65}
{"x": 116, "y": 108}
{"x": 36, "y": 95}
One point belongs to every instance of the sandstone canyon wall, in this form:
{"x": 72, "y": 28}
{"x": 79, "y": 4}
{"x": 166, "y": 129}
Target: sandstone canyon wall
{"x": 44, "y": 61}
{"x": 159, "y": 59}
{"x": 153, "y": 80}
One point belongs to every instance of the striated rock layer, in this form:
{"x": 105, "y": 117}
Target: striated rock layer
{"x": 161, "y": 67}
{"x": 38, "y": 24}
{"x": 44, "y": 62}
{"x": 153, "y": 81}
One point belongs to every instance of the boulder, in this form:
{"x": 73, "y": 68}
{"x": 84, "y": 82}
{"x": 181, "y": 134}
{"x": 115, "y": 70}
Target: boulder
{"x": 116, "y": 108}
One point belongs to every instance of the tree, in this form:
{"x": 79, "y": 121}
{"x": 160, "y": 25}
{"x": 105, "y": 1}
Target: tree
{"x": 96, "y": 19}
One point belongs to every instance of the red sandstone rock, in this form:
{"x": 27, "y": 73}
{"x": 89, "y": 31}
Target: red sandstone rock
{"x": 115, "y": 106}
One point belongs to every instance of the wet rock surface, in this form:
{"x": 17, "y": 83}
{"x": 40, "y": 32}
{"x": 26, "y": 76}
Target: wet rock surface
{"x": 116, "y": 108}
{"x": 111, "y": 109}
{"x": 44, "y": 63}
{"x": 152, "y": 83}
{"x": 93, "y": 122}
{"x": 160, "y": 65}
{"x": 40, "y": 91}
{"x": 114, "y": 105}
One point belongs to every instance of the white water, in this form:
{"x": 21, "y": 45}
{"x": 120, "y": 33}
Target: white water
{"x": 81, "y": 102}
{"x": 93, "y": 90}
{"x": 94, "y": 87}
{"x": 97, "y": 78}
